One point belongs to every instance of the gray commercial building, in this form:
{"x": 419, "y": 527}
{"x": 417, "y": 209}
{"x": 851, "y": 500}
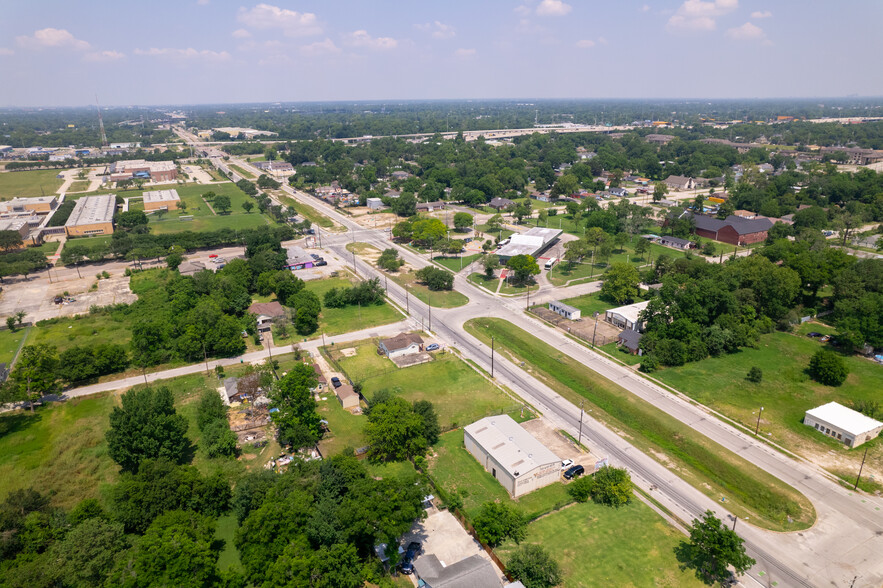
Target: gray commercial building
{"x": 533, "y": 242}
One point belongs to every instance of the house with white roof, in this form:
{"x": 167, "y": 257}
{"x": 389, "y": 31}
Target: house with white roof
{"x": 842, "y": 423}
{"x": 512, "y": 455}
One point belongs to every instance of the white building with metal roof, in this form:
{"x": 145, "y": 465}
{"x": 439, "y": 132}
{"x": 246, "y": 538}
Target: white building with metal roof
{"x": 512, "y": 455}
{"x": 532, "y": 242}
{"x": 565, "y": 310}
{"x": 627, "y": 317}
{"x": 842, "y": 423}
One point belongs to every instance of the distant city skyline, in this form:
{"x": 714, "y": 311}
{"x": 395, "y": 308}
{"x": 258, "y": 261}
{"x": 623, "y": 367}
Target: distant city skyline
{"x": 55, "y": 53}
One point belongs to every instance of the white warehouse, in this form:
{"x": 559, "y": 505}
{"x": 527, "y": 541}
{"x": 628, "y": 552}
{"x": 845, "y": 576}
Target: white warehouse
{"x": 842, "y": 423}
{"x": 512, "y": 455}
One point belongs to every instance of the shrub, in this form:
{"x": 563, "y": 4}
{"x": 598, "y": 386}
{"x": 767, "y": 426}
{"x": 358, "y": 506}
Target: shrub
{"x": 613, "y": 487}
{"x": 828, "y": 368}
{"x": 581, "y": 488}
{"x": 755, "y": 374}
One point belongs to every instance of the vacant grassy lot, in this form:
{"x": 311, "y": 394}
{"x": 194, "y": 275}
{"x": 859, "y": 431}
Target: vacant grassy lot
{"x": 9, "y": 342}
{"x": 306, "y": 211}
{"x": 29, "y": 183}
{"x": 459, "y": 394}
{"x": 79, "y": 186}
{"x": 335, "y": 321}
{"x": 501, "y": 233}
{"x": 455, "y": 470}
{"x": 204, "y": 219}
{"x": 90, "y": 243}
{"x": 344, "y": 428}
{"x": 601, "y": 546}
{"x": 585, "y": 271}
{"x": 786, "y": 391}
{"x": 705, "y": 464}
{"x": 479, "y": 279}
{"x": 589, "y": 304}
{"x": 85, "y": 329}
{"x": 439, "y": 299}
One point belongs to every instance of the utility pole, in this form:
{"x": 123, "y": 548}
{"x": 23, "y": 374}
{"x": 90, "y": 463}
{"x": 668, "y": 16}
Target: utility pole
{"x": 429, "y": 304}
{"x": 205, "y": 357}
{"x": 580, "y": 438}
{"x": 407, "y": 304}
{"x": 860, "y": 470}
{"x": 757, "y": 426}
{"x": 356, "y": 271}
{"x": 492, "y": 357}
{"x": 735, "y": 519}
{"x": 595, "y": 330}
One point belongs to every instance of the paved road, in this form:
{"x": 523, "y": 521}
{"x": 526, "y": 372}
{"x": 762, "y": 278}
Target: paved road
{"x": 847, "y": 540}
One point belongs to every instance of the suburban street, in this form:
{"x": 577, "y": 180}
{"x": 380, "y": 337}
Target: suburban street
{"x": 847, "y": 539}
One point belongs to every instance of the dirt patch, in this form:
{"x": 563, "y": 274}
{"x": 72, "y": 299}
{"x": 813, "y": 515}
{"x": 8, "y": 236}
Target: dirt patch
{"x": 555, "y": 441}
{"x": 404, "y": 361}
{"x": 35, "y": 297}
{"x": 349, "y": 352}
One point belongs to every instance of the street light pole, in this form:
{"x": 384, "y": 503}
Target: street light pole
{"x": 861, "y": 468}
{"x": 757, "y": 426}
{"x": 492, "y": 357}
{"x": 580, "y": 439}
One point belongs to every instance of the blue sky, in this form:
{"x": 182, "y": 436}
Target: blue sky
{"x": 207, "y": 51}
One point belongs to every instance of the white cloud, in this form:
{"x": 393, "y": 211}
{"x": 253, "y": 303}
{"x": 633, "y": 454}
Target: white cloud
{"x": 292, "y": 23}
{"x": 522, "y": 10}
{"x": 645, "y": 8}
{"x": 184, "y": 54}
{"x": 585, "y": 44}
{"x": 438, "y": 30}
{"x": 361, "y": 38}
{"x": 698, "y": 15}
{"x": 746, "y": 32}
{"x": 104, "y": 56}
{"x": 203, "y": 2}
{"x": 326, "y": 47}
{"x": 465, "y": 53}
{"x": 553, "y": 8}
{"x": 241, "y": 34}
{"x": 761, "y": 14}
{"x": 54, "y": 38}
{"x": 602, "y": 40}
{"x": 5, "y": 51}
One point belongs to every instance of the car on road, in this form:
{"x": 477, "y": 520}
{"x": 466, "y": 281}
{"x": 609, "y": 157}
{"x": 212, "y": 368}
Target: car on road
{"x": 566, "y": 464}
{"x": 432, "y": 347}
{"x": 335, "y": 381}
{"x": 413, "y": 551}
{"x": 813, "y": 334}
{"x": 574, "y": 472}
{"x": 213, "y": 255}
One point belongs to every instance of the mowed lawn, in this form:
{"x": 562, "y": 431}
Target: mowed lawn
{"x": 459, "y": 394}
{"x": 336, "y": 321}
{"x": 9, "y": 343}
{"x": 786, "y": 391}
{"x": 439, "y": 299}
{"x": 455, "y": 470}
{"x": 203, "y": 217}
{"x": 15, "y": 184}
{"x": 85, "y": 329}
{"x": 589, "y": 304}
{"x": 455, "y": 264}
{"x": 601, "y": 546}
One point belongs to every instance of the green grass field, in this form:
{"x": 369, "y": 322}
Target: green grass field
{"x": 308, "y": 212}
{"x": 621, "y": 354}
{"x": 210, "y": 223}
{"x": 601, "y": 546}
{"x": 203, "y": 217}
{"x": 459, "y": 394}
{"x": 226, "y": 531}
{"x": 345, "y": 429}
{"x": 9, "y": 342}
{"x": 79, "y": 186}
{"x": 455, "y": 264}
{"x": 455, "y": 470}
{"x": 242, "y": 172}
{"x": 47, "y": 248}
{"x": 439, "y": 299}
{"x": 706, "y": 465}
{"x": 589, "y": 304}
{"x": 501, "y": 233}
{"x": 786, "y": 391}
{"x": 89, "y": 243}
{"x": 84, "y": 329}
{"x": 479, "y": 280}
{"x": 29, "y": 183}
{"x": 564, "y": 272}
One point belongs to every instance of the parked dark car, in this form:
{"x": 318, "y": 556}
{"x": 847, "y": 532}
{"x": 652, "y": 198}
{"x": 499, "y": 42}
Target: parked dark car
{"x": 813, "y": 334}
{"x": 314, "y": 256}
{"x": 321, "y": 262}
{"x": 574, "y": 472}
{"x": 413, "y": 551}
{"x": 335, "y": 381}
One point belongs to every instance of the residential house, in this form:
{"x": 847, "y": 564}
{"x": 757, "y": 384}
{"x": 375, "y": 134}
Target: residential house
{"x": 400, "y": 175}
{"x": 473, "y": 572}
{"x": 247, "y": 387}
{"x": 321, "y": 382}
{"x": 347, "y": 396}
{"x": 501, "y": 203}
{"x": 188, "y": 268}
{"x": 299, "y": 259}
{"x": 675, "y": 242}
{"x": 267, "y": 313}
{"x": 374, "y": 203}
{"x": 659, "y": 139}
{"x": 631, "y": 340}
{"x": 430, "y": 206}
{"x": 678, "y": 183}
{"x": 619, "y": 192}
{"x": 401, "y": 344}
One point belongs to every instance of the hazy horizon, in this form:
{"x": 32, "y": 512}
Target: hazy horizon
{"x": 200, "y": 52}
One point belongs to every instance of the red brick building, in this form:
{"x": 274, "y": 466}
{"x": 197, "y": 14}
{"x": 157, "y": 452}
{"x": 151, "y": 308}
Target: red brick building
{"x": 734, "y": 230}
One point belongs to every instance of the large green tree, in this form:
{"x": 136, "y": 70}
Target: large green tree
{"x": 145, "y": 426}
{"x": 296, "y": 419}
{"x": 394, "y": 431}
{"x": 621, "y": 282}
{"x": 612, "y": 486}
{"x": 828, "y": 367}
{"x": 498, "y": 521}
{"x": 712, "y": 548}
{"x": 524, "y": 267}
{"x": 35, "y": 373}
{"x": 534, "y": 567}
